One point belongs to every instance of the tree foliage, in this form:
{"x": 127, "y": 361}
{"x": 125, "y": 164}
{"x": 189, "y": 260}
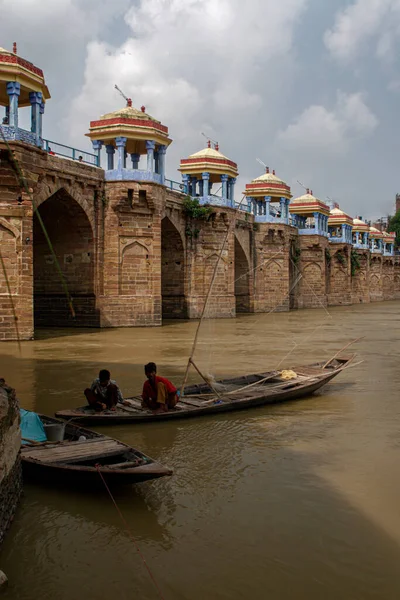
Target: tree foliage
{"x": 394, "y": 225}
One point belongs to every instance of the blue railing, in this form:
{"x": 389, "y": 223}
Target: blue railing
{"x": 71, "y": 153}
{"x": 174, "y": 185}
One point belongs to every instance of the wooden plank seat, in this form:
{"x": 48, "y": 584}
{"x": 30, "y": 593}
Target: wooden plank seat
{"x": 73, "y": 451}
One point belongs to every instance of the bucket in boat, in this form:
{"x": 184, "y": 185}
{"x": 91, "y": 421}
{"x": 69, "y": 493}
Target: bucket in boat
{"x": 54, "y": 431}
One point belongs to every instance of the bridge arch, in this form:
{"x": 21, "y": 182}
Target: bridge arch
{"x": 172, "y": 272}
{"x": 242, "y": 279}
{"x": 71, "y": 236}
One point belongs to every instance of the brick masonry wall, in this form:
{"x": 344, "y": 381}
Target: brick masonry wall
{"x": 396, "y": 277}
{"x": 360, "y": 279}
{"x": 202, "y": 255}
{"x": 47, "y": 177}
{"x": 314, "y": 270}
{"x": 388, "y": 288}
{"x": 375, "y": 278}
{"x": 10, "y": 464}
{"x": 273, "y": 274}
{"x": 339, "y": 274}
{"x": 127, "y": 258}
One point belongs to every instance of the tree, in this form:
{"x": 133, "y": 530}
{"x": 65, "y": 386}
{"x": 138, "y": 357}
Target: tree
{"x": 394, "y": 225}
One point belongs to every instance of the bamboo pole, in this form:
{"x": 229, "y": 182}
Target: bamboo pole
{"x": 205, "y": 378}
{"x": 344, "y": 348}
{"x": 205, "y": 306}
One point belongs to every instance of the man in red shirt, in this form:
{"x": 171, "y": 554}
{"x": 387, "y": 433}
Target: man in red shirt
{"x": 159, "y": 394}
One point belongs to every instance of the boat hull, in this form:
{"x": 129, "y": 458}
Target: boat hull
{"x": 80, "y": 462}
{"x": 272, "y": 395}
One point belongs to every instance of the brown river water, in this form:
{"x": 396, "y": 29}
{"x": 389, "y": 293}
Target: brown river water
{"x": 293, "y": 501}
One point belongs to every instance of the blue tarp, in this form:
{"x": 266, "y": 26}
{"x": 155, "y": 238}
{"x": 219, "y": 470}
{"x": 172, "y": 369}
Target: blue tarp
{"x": 31, "y": 426}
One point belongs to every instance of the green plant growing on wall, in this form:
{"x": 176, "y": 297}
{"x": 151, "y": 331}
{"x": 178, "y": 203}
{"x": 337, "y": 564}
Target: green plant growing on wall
{"x": 328, "y": 256}
{"x": 193, "y": 209}
{"x": 341, "y": 258}
{"x": 296, "y": 255}
{"x": 194, "y": 213}
{"x": 355, "y": 262}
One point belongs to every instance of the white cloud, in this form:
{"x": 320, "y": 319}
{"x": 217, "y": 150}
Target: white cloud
{"x": 197, "y": 65}
{"x": 362, "y": 23}
{"x": 331, "y": 131}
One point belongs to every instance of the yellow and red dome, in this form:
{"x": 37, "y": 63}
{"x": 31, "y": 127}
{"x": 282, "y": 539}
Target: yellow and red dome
{"x": 268, "y": 184}
{"x": 375, "y": 233}
{"x": 338, "y": 217}
{"x": 13, "y": 68}
{"x": 136, "y": 125}
{"x": 307, "y": 205}
{"x": 209, "y": 160}
{"x": 359, "y": 225}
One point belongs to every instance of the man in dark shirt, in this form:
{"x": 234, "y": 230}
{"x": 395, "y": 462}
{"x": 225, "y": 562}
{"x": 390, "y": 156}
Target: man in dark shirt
{"x": 104, "y": 392}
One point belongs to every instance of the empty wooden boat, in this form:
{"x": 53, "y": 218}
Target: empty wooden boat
{"x": 232, "y": 394}
{"x": 80, "y": 456}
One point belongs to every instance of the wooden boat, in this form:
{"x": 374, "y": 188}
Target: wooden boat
{"x": 235, "y": 394}
{"x": 75, "y": 459}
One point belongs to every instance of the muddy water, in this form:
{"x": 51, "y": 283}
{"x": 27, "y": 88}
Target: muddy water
{"x": 293, "y": 501}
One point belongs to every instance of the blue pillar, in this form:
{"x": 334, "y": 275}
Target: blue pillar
{"x": 41, "y": 113}
{"x": 135, "y": 158}
{"x": 110, "y": 156}
{"x": 201, "y": 188}
{"x": 316, "y": 220}
{"x": 150, "y": 146}
{"x": 194, "y": 185}
{"x": 206, "y": 184}
{"x": 224, "y": 181}
{"x": 357, "y": 237}
{"x": 120, "y": 143}
{"x": 13, "y": 91}
{"x": 232, "y": 191}
{"x": 185, "y": 181}
{"x": 282, "y": 207}
{"x": 35, "y": 99}
{"x": 267, "y": 206}
{"x": 156, "y": 162}
{"x": 162, "y": 151}
{"x": 97, "y": 145}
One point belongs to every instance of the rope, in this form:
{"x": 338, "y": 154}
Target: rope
{"x": 11, "y": 301}
{"x": 160, "y": 594}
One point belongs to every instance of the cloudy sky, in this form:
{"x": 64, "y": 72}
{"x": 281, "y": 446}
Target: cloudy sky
{"x": 311, "y": 87}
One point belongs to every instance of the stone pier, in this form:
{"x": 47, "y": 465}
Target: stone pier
{"x": 10, "y": 463}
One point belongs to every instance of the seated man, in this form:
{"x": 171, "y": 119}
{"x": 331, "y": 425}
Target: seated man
{"x": 159, "y": 394}
{"x": 104, "y": 392}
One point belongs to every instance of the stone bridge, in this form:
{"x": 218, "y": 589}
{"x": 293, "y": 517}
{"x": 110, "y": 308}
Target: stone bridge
{"x": 130, "y": 256}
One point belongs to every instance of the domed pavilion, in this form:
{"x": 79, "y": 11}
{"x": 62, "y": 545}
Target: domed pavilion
{"x": 376, "y": 240}
{"x": 205, "y": 169}
{"x": 340, "y": 226}
{"x": 389, "y": 240}
{"x": 21, "y": 85}
{"x": 360, "y": 234}
{"x": 269, "y": 197}
{"x": 310, "y": 214}
{"x": 132, "y": 132}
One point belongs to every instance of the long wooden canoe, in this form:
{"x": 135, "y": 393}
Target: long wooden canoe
{"x": 234, "y": 394}
{"x": 74, "y": 460}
